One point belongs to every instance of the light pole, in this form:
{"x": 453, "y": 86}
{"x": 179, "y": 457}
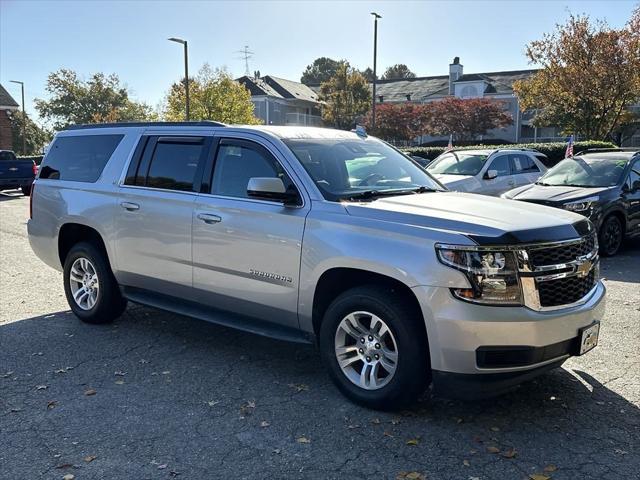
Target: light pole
{"x": 186, "y": 70}
{"x": 375, "y": 60}
{"x": 24, "y": 119}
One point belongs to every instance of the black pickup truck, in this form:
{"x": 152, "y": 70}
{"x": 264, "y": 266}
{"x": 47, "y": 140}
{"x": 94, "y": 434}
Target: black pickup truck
{"x": 16, "y": 173}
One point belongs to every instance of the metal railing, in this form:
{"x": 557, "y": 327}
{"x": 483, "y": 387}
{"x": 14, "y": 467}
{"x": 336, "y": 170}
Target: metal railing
{"x": 303, "y": 119}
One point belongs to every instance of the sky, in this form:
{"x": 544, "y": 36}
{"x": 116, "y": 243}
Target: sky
{"x": 129, "y": 37}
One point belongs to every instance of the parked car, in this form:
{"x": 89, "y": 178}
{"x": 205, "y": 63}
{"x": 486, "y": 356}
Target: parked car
{"x": 320, "y": 236}
{"x": 602, "y": 185}
{"x": 489, "y": 172}
{"x": 16, "y": 173}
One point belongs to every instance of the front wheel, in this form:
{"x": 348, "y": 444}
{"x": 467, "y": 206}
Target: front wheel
{"x": 610, "y": 236}
{"x": 91, "y": 289}
{"x": 375, "y": 347}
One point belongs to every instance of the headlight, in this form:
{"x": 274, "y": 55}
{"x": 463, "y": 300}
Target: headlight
{"x": 581, "y": 205}
{"x": 492, "y": 274}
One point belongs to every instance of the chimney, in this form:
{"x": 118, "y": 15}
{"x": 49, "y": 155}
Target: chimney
{"x": 455, "y": 72}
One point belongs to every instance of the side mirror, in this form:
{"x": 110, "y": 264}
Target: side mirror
{"x": 271, "y": 188}
{"x": 491, "y": 174}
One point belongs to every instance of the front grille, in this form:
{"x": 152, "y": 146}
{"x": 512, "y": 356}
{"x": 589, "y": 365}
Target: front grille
{"x": 567, "y": 290}
{"x": 562, "y": 253}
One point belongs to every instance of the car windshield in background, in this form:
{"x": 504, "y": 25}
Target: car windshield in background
{"x": 458, "y": 163}
{"x": 586, "y": 172}
{"x": 359, "y": 168}
{"x": 7, "y": 156}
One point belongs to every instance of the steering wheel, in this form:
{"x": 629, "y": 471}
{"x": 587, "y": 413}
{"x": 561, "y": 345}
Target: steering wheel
{"x": 365, "y": 181}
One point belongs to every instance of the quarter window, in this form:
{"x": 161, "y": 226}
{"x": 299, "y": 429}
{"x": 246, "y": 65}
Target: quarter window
{"x": 79, "y": 158}
{"x": 501, "y": 165}
{"x": 237, "y": 162}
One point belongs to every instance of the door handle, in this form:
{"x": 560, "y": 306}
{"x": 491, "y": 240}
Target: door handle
{"x": 130, "y": 206}
{"x": 209, "y": 218}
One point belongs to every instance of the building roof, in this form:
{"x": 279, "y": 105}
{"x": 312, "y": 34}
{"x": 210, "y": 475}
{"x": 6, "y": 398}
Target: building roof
{"x": 7, "y": 100}
{"x": 425, "y": 88}
{"x": 279, "y": 88}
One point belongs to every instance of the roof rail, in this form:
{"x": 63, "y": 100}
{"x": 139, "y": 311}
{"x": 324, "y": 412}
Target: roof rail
{"x": 201, "y": 123}
{"x": 633, "y": 150}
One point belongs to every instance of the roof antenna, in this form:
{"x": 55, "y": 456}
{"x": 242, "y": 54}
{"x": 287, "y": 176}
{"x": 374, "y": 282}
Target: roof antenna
{"x": 246, "y": 54}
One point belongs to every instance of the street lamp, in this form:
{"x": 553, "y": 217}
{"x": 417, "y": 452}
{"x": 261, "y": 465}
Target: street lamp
{"x": 186, "y": 70}
{"x": 375, "y": 59}
{"x": 24, "y": 119}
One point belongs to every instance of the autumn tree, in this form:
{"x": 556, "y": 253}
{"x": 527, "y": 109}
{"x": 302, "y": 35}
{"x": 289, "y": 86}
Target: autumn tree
{"x": 321, "y": 70}
{"x": 466, "y": 119}
{"x": 36, "y": 137}
{"x": 398, "y": 71}
{"x": 367, "y": 73}
{"x": 590, "y": 75}
{"x": 402, "y": 121}
{"x": 346, "y": 96}
{"x": 101, "y": 98}
{"x": 213, "y": 95}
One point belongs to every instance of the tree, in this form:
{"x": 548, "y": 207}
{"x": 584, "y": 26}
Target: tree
{"x": 213, "y": 95}
{"x": 404, "y": 121}
{"x": 36, "y": 137}
{"x": 100, "y": 99}
{"x": 321, "y": 70}
{"x": 465, "y": 119}
{"x": 590, "y": 75}
{"x": 346, "y": 96}
{"x": 368, "y": 74}
{"x": 398, "y": 71}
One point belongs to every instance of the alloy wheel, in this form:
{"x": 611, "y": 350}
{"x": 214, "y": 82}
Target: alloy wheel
{"x": 83, "y": 280}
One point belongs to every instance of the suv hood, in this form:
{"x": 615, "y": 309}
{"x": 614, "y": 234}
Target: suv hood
{"x": 559, "y": 194}
{"x": 451, "y": 179}
{"x": 486, "y": 220}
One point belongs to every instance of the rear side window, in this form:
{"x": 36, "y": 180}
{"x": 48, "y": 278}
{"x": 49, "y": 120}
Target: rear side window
{"x": 523, "y": 164}
{"x": 79, "y": 158}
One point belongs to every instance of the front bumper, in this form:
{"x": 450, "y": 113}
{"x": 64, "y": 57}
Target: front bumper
{"x": 458, "y": 330}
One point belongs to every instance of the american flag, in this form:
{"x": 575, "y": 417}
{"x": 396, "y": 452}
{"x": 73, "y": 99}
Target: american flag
{"x": 450, "y": 146}
{"x": 569, "y": 151}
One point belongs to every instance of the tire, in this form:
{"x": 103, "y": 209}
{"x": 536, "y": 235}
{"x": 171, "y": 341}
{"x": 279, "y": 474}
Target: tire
{"x": 26, "y": 191}
{"x": 90, "y": 268}
{"x": 610, "y": 236}
{"x": 412, "y": 371}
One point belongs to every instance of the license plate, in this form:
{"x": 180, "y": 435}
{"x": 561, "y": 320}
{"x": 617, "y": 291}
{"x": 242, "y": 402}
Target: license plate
{"x": 589, "y": 337}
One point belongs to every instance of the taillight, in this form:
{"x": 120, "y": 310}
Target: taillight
{"x": 31, "y": 201}
{"x": 35, "y": 169}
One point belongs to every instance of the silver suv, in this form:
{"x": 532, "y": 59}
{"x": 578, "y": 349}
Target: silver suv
{"x": 323, "y": 236}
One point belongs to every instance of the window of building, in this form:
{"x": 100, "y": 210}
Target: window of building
{"x": 79, "y": 158}
{"x": 469, "y": 91}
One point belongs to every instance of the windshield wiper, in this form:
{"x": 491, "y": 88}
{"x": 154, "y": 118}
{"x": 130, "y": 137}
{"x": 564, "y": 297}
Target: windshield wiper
{"x": 372, "y": 194}
{"x": 544, "y": 184}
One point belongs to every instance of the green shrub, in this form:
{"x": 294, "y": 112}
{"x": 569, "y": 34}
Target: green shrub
{"x": 554, "y": 151}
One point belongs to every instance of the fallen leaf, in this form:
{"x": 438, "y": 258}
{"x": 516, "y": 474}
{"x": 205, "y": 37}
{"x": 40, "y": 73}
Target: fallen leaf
{"x": 276, "y": 451}
{"x": 119, "y": 373}
{"x": 619, "y": 451}
{"x": 166, "y": 372}
{"x": 264, "y": 424}
{"x": 246, "y": 409}
{"x": 474, "y": 478}
{"x": 550, "y": 468}
{"x": 351, "y": 427}
{"x": 410, "y": 476}
{"x": 511, "y": 453}
{"x": 64, "y": 465}
{"x": 119, "y": 382}
{"x": 90, "y": 392}
{"x": 213, "y": 403}
{"x": 413, "y": 442}
{"x": 303, "y": 440}
{"x": 387, "y": 434}
{"x": 7, "y": 375}
{"x": 376, "y": 421}
{"x": 90, "y": 458}
{"x": 459, "y": 420}
{"x": 395, "y": 420}
{"x": 495, "y": 429}
{"x": 162, "y": 467}
{"x": 493, "y": 449}
{"x": 41, "y": 387}
{"x": 51, "y": 404}
{"x": 68, "y": 476}
{"x": 15, "y": 410}
{"x": 143, "y": 360}
{"x": 299, "y": 387}
{"x": 539, "y": 476}
{"x": 466, "y": 463}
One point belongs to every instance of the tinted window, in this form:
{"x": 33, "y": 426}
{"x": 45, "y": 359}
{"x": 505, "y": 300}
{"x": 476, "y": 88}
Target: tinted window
{"x": 174, "y": 165}
{"x": 458, "y": 163}
{"x": 7, "y": 155}
{"x": 634, "y": 174}
{"x": 586, "y": 171}
{"x": 523, "y": 164}
{"x": 501, "y": 165}
{"x": 237, "y": 162}
{"x": 80, "y": 158}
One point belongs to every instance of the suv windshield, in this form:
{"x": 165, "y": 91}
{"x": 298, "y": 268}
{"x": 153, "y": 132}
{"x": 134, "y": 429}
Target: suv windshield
{"x": 348, "y": 168}
{"x": 586, "y": 172}
{"x": 458, "y": 163}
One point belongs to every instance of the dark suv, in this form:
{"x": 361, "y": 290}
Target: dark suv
{"x": 603, "y": 185}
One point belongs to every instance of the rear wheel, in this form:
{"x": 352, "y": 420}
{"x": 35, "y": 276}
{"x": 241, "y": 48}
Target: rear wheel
{"x": 91, "y": 289}
{"x": 610, "y": 236}
{"x": 375, "y": 348}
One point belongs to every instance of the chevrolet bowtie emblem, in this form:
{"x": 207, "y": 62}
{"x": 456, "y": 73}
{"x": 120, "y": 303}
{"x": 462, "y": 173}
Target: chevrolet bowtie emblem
{"x": 583, "y": 266}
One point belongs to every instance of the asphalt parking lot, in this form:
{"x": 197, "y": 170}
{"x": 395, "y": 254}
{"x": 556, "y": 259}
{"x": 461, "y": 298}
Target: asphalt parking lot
{"x": 160, "y": 396}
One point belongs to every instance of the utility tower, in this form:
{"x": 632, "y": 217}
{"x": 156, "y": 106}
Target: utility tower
{"x": 245, "y": 54}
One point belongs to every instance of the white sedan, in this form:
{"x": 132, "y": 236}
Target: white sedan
{"x": 489, "y": 172}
